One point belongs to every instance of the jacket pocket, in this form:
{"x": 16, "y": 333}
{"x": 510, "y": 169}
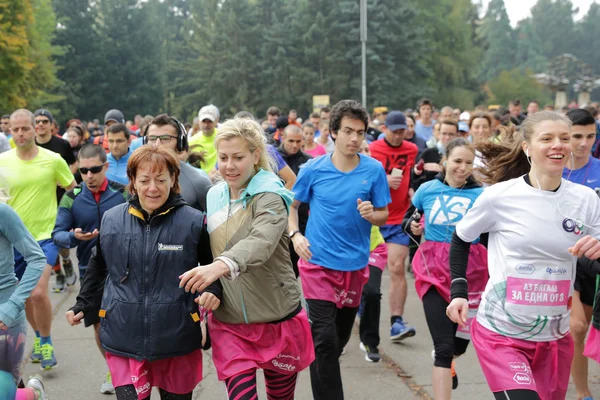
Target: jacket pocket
{"x": 121, "y": 328}
{"x": 174, "y": 329}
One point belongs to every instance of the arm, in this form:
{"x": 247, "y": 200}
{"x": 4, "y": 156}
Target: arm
{"x": 288, "y": 177}
{"x": 14, "y": 230}
{"x": 63, "y": 174}
{"x": 379, "y": 216}
{"x": 586, "y": 264}
{"x": 92, "y": 288}
{"x": 62, "y": 234}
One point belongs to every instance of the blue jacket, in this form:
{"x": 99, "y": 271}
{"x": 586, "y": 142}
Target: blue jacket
{"x": 145, "y": 314}
{"x": 117, "y": 170}
{"x": 78, "y": 209}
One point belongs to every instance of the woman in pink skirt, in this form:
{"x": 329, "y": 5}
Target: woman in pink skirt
{"x": 442, "y": 202}
{"x": 260, "y": 322}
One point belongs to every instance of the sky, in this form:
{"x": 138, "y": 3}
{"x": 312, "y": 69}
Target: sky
{"x": 519, "y": 9}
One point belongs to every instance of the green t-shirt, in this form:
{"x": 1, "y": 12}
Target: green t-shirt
{"x": 32, "y": 188}
{"x": 208, "y": 146}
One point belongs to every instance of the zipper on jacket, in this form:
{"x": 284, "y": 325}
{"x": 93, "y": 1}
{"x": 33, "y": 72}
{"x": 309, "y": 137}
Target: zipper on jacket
{"x": 146, "y": 328}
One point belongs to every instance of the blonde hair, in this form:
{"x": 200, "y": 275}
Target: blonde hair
{"x": 251, "y": 132}
{"x": 4, "y": 194}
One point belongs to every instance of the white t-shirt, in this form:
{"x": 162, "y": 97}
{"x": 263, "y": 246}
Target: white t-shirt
{"x": 529, "y": 293}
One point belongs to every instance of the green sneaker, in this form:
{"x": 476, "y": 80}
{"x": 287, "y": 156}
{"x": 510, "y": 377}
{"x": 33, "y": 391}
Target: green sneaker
{"x": 48, "y": 359}
{"x": 36, "y": 356}
{"x": 107, "y": 387}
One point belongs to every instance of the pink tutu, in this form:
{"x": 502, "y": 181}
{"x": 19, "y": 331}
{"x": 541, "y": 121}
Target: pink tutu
{"x": 165, "y": 374}
{"x": 592, "y": 345}
{"x": 343, "y": 288}
{"x": 378, "y": 257}
{"x": 431, "y": 267}
{"x": 285, "y": 347}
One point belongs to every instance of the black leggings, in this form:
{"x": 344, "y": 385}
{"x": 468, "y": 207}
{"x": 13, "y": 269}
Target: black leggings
{"x": 443, "y": 331}
{"x": 517, "y": 394}
{"x": 128, "y": 392}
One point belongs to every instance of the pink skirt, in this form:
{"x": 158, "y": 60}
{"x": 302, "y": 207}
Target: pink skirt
{"x": 592, "y": 345}
{"x": 343, "y": 288}
{"x": 431, "y": 267}
{"x": 285, "y": 347}
{"x": 165, "y": 374}
{"x": 510, "y": 364}
{"x": 378, "y": 257}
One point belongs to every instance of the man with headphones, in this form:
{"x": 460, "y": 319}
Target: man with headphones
{"x": 168, "y": 132}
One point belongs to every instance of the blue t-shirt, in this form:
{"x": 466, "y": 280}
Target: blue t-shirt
{"x": 426, "y": 132}
{"x": 339, "y": 237}
{"x": 117, "y": 169}
{"x": 443, "y": 207}
{"x": 588, "y": 175}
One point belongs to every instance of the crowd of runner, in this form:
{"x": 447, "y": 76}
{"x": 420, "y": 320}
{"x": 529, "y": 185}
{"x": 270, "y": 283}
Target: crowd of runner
{"x": 265, "y": 239}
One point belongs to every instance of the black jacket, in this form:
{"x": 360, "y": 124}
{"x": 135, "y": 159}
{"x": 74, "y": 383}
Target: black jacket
{"x": 145, "y": 315}
{"x": 428, "y": 156}
{"x": 294, "y": 161}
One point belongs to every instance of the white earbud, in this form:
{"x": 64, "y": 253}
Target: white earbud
{"x": 527, "y": 152}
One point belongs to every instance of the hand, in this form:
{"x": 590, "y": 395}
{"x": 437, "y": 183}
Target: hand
{"x": 198, "y": 279}
{"x": 73, "y": 319}
{"x": 394, "y": 181}
{"x": 458, "y": 311}
{"x": 416, "y": 228}
{"x": 2, "y": 326}
{"x": 301, "y": 246}
{"x": 433, "y": 167}
{"x": 80, "y": 235}
{"x": 586, "y": 246}
{"x": 208, "y": 301}
{"x": 366, "y": 209}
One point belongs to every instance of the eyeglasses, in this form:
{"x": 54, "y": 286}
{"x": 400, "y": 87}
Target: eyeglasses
{"x": 163, "y": 138}
{"x": 93, "y": 170}
{"x": 42, "y": 121}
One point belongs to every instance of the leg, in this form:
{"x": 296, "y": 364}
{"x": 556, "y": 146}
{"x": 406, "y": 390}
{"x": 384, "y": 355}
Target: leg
{"x": 97, "y": 336}
{"x": 580, "y": 321}
{"x": 344, "y": 321}
{"x": 398, "y": 287}
{"x": 443, "y": 333}
{"x": 164, "y": 395}
{"x": 127, "y": 392}
{"x": 371, "y": 297}
{"x": 325, "y": 375}
{"x": 242, "y": 386}
{"x": 280, "y": 386}
{"x": 40, "y": 304}
{"x": 516, "y": 394}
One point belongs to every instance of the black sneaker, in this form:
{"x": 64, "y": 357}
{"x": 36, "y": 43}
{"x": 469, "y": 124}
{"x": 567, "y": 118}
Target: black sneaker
{"x": 371, "y": 353}
{"x": 59, "y": 286}
{"x": 454, "y": 376}
{"x": 70, "y": 276}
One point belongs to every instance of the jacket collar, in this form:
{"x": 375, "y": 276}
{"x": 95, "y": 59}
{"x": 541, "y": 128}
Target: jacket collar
{"x": 135, "y": 208}
{"x": 470, "y": 184}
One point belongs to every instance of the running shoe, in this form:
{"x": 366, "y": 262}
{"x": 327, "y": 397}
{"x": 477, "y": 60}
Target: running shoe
{"x": 70, "y": 275}
{"x": 454, "y": 376}
{"x": 371, "y": 353}
{"x": 59, "y": 286}
{"x": 48, "y": 359}
{"x": 36, "y": 356}
{"x": 343, "y": 351}
{"x": 107, "y": 387}
{"x": 401, "y": 331}
{"x": 35, "y": 383}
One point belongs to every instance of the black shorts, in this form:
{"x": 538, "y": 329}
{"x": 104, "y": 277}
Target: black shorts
{"x": 91, "y": 318}
{"x": 585, "y": 284}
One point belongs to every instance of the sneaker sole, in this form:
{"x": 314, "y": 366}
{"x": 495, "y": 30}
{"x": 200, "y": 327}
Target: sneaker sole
{"x": 111, "y": 391}
{"x": 402, "y": 336}
{"x": 362, "y": 347}
{"x": 49, "y": 368}
{"x": 35, "y": 360}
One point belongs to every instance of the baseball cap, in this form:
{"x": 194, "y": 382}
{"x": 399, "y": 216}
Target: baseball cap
{"x": 114, "y": 115}
{"x": 395, "y": 120}
{"x": 463, "y": 126}
{"x": 45, "y": 113}
{"x": 209, "y": 112}
{"x": 464, "y": 116}
{"x": 282, "y": 122}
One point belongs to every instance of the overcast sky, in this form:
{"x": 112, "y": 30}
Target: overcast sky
{"x": 519, "y": 9}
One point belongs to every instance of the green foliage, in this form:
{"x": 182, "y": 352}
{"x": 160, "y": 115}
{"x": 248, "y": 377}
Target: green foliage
{"x": 496, "y": 32}
{"x": 513, "y": 84}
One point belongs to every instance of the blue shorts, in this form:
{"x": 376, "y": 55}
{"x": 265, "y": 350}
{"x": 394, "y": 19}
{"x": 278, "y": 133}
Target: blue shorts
{"x": 50, "y": 251}
{"x": 394, "y": 234}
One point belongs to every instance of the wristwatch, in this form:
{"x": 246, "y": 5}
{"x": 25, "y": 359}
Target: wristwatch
{"x": 292, "y": 233}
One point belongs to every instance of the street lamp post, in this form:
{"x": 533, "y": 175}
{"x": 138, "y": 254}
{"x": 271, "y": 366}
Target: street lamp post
{"x": 363, "y": 40}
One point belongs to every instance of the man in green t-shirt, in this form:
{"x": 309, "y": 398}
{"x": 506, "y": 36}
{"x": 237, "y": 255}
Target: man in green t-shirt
{"x": 32, "y": 174}
{"x": 208, "y": 117}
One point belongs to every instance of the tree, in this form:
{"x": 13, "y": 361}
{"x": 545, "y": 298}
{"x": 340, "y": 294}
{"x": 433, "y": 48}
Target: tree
{"x": 515, "y": 84}
{"x": 552, "y": 22}
{"x": 496, "y": 32}
{"x": 529, "y": 49}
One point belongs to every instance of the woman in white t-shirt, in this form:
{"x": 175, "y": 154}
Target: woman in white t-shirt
{"x": 538, "y": 225}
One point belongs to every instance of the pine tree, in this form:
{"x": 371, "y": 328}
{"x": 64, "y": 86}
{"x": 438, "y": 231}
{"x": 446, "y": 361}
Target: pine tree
{"x": 496, "y": 32}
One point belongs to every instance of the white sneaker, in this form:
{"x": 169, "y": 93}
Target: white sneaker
{"x": 107, "y": 387}
{"x": 35, "y": 383}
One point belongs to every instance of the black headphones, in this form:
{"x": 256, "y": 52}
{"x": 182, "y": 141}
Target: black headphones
{"x": 182, "y": 139}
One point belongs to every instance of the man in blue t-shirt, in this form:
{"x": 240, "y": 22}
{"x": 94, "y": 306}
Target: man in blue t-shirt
{"x": 585, "y": 170}
{"x": 347, "y": 193}
{"x": 424, "y": 126}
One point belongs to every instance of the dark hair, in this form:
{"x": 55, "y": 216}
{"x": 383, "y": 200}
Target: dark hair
{"x": 117, "y": 128}
{"x": 325, "y": 109}
{"x": 5, "y": 116}
{"x": 158, "y": 157}
{"x": 533, "y": 101}
{"x": 515, "y": 102}
{"x": 315, "y": 115}
{"x": 580, "y": 117}
{"x": 347, "y": 108}
{"x": 593, "y": 110}
{"x": 292, "y": 129}
{"x": 411, "y": 117}
{"x": 293, "y": 111}
{"x": 163, "y": 120}
{"x": 549, "y": 105}
{"x": 244, "y": 115}
{"x": 90, "y": 151}
{"x": 447, "y": 121}
{"x": 425, "y": 102}
{"x": 273, "y": 111}
{"x": 459, "y": 142}
{"x": 197, "y": 156}
{"x": 79, "y": 130}
{"x": 485, "y": 116}
{"x": 507, "y": 160}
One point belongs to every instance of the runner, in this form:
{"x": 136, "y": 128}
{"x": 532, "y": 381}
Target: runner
{"x": 118, "y": 139}
{"x": 78, "y": 220}
{"x": 398, "y": 158}
{"x": 443, "y": 202}
{"x": 347, "y": 192}
{"x": 311, "y": 147}
{"x": 537, "y": 223}
{"x": 261, "y": 322}
{"x": 324, "y": 139}
{"x": 208, "y": 116}
{"x": 150, "y": 327}
{"x": 585, "y": 170}
{"x": 424, "y": 126}
{"x": 13, "y": 295}
{"x": 32, "y": 173}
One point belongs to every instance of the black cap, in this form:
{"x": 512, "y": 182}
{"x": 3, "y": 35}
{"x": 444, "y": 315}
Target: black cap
{"x": 395, "y": 120}
{"x": 45, "y": 113}
{"x": 282, "y": 122}
{"x": 114, "y": 115}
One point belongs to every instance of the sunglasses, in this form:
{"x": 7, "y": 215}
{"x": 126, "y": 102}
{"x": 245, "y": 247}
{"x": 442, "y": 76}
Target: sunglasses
{"x": 93, "y": 170}
{"x": 42, "y": 121}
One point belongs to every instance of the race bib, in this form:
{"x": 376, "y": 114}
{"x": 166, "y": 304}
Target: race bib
{"x": 537, "y": 296}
